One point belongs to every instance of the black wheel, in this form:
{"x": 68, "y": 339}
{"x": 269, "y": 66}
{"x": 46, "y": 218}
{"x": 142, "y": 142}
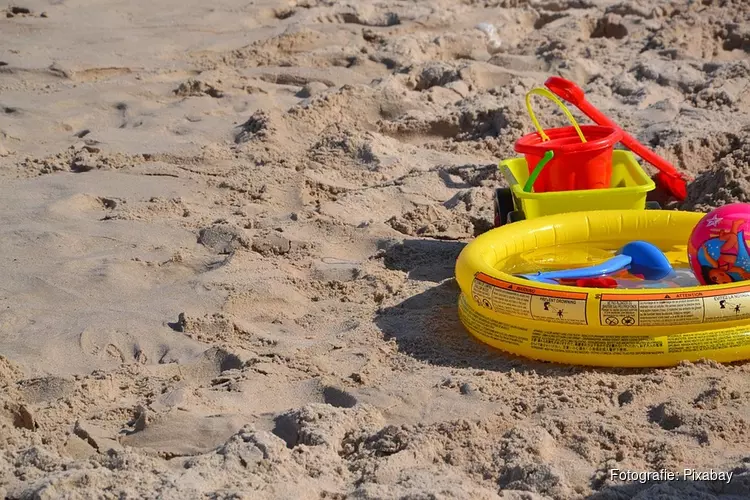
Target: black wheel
{"x": 503, "y": 205}
{"x": 653, "y": 205}
{"x": 515, "y": 216}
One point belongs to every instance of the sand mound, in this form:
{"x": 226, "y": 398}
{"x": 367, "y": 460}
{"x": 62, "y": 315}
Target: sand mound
{"x": 726, "y": 182}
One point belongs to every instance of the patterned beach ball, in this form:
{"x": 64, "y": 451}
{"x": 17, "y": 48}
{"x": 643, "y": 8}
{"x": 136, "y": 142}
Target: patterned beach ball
{"x": 718, "y": 249}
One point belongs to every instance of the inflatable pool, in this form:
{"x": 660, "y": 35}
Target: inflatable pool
{"x": 648, "y": 327}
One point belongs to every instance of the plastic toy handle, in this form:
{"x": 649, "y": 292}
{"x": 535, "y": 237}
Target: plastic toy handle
{"x": 610, "y": 266}
{"x": 549, "y": 95}
{"x": 599, "y": 282}
{"x": 538, "y": 170}
{"x": 572, "y": 93}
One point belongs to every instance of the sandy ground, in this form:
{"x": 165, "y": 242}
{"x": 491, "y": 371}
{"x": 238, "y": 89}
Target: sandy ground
{"x": 228, "y": 232}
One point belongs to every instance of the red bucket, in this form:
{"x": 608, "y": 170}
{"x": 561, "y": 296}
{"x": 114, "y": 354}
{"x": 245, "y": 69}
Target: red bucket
{"x": 576, "y": 165}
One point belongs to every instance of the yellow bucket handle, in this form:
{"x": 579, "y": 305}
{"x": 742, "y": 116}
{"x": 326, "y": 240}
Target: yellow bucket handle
{"x": 546, "y": 93}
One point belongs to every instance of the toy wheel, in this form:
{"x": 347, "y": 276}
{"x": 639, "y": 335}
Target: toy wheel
{"x": 653, "y": 205}
{"x": 503, "y": 205}
{"x": 515, "y": 216}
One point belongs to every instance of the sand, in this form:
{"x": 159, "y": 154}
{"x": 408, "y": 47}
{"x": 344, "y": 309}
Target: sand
{"x": 228, "y": 232}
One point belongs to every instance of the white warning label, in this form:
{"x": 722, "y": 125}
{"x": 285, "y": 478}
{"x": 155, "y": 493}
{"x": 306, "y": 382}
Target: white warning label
{"x": 727, "y": 307}
{"x": 558, "y": 310}
{"x": 618, "y": 312}
{"x": 665, "y": 309}
{"x": 530, "y": 302}
{"x": 670, "y": 312}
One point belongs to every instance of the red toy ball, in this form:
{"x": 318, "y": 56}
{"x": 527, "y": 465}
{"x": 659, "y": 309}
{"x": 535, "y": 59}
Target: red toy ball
{"x": 718, "y": 249}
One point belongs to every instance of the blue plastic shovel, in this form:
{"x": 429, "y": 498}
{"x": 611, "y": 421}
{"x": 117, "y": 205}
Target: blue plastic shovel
{"x": 639, "y": 257}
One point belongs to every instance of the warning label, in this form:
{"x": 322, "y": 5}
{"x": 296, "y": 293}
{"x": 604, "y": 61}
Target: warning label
{"x": 488, "y": 327}
{"x": 661, "y": 309}
{"x": 727, "y": 307}
{"x": 501, "y": 300}
{"x": 618, "y": 312}
{"x": 596, "y": 344}
{"x": 708, "y": 341}
{"x": 648, "y": 309}
{"x": 529, "y": 302}
{"x": 583, "y": 343}
{"x": 669, "y": 312}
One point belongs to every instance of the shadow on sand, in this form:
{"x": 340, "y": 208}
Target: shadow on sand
{"x": 422, "y": 260}
{"x": 426, "y": 326}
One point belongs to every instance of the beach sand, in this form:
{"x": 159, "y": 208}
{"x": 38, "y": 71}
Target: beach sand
{"x": 228, "y": 232}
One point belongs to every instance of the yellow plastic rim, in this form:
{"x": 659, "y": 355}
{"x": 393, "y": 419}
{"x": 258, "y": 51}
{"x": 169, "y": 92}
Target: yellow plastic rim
{"x": 599, "y": 327}
{"x": 549, "y": 95}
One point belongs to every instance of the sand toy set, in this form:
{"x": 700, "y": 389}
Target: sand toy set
{"x": 576, "y": 168}
{"x": 578, "y": 270}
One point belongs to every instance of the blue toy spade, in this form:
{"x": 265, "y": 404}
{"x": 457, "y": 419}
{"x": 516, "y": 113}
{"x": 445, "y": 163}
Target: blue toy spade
{"x": 638, "y": 257}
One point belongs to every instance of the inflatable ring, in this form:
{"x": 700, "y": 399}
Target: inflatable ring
{"x": 598, "y": 327}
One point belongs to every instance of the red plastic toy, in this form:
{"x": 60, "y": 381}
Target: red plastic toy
{"x": 576, "y": 165}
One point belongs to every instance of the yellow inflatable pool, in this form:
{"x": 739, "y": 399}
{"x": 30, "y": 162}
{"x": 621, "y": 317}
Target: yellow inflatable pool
{"x": 597, "y": 327}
